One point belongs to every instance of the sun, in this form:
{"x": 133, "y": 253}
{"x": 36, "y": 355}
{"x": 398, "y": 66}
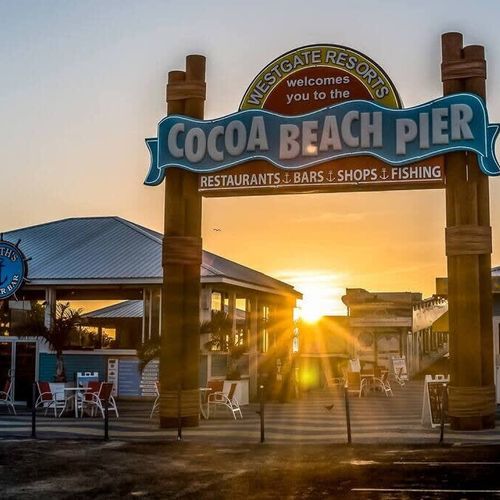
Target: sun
{"x": 312, "y": 310}
{"x": 318, "y": 299}
{"x": 321, "y": 290}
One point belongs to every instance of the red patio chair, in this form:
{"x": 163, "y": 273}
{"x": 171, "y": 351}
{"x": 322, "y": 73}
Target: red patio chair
{"x": 98, "y": 400}
{"x": 47, "y": 399}
{"x": 6, "y": 396}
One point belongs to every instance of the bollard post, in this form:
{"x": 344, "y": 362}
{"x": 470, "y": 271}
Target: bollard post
{"x": 347, "y": 414}
{"x": 33, "y": 412}
{"x": 106, "y": 420}
{"x": 261, "y": 412}
{"x": 444, "y": 404}
{"x": 179, "y": 418}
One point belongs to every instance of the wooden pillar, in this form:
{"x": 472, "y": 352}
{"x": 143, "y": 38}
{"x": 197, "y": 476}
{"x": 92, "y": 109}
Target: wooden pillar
{"x": 468, "y": 250}
{"x": 182, "y": 251}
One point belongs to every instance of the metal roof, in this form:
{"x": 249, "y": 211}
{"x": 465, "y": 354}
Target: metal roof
{"x": 133, "y": 309}
{"x": 126, "y": 309}
{"x": 112, "y": 250}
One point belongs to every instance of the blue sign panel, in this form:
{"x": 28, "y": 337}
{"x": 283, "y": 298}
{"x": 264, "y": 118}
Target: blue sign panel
{"x": 13, "y": 269}
{"x": 457, "y": 122}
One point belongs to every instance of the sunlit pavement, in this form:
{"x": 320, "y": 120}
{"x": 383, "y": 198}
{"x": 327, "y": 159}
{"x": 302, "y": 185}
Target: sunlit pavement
{"x": 375, "y": 418}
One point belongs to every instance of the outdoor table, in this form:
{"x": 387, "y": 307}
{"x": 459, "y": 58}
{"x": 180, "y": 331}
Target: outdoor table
{"x": 71, "y": 393}
{"x": 203, "y": 401}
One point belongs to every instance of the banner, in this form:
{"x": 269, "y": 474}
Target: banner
{"x": 457, "y": 122}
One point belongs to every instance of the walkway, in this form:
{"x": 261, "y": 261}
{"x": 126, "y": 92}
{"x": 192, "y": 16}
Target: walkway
{"x": 375, "y": 418}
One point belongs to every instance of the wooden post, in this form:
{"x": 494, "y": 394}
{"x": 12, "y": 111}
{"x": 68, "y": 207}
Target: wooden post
{"x": 182, "y": 252}
{"x": 468, "y": 249}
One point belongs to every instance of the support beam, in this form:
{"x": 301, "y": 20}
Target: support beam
{"x": 468, "y": 249}
{"x": 182, "y": 251}
{"x": 253, "y": 348}
{"x": 50, "y": 307}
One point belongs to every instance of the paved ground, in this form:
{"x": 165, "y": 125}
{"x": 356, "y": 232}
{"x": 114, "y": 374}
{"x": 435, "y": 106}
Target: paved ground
{"x": 304, "y": 456}
{"x": 374, "y": 419}
{"x": 85, "y": 469}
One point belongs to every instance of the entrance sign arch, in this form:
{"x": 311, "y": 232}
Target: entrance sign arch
{"x": 445, "y": 143}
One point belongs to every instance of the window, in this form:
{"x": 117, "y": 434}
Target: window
{"x": 264, "y": 329}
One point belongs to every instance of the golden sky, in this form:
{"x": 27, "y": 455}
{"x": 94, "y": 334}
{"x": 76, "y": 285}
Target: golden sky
{"x": 83, "y": 83}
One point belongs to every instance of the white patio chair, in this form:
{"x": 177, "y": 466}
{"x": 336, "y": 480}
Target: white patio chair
{"x": 355, "y": 383}
{"x": 228, "y": 400}
{"x": 383, "y": 384}
{"x": 6, "y": 396}
{"x": 156, "y": 404}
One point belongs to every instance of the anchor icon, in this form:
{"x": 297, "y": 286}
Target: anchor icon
{"x": 384, "y": 175}
{"x": 331, "y": 176}
{"x": 287, "y": 179}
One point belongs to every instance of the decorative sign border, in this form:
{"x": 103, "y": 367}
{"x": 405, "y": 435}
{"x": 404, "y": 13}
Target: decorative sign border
{"x": 458, "y": 122}
{"x": 13, "y": 268}
{"x": 339, "y": 57}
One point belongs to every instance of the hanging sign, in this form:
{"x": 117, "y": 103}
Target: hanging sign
{"x": 13, "y": 269}
{"x": 324, "y": 118}
{"x": 398, "y": 137}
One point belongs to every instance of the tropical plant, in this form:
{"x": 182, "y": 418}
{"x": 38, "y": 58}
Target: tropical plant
{"x": 220, "y": 328}
{"x": 148, "y": 351}
{"x": 64, "y": 323}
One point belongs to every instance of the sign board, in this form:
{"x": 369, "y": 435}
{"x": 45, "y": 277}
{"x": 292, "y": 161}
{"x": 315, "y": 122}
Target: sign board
{"x": 323, "y": 118}
{"x": 13, "y": 269}
{"x": 354, "y": 365}
{"x": 343, "y": 175}
{"x": 356, "y": 128}
{"x": 399, "y": 367}
{"x": 313, "y": 77}
{"x": 433, "y": 394}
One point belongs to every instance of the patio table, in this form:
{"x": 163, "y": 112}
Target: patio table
{"x": 71, "y": 394}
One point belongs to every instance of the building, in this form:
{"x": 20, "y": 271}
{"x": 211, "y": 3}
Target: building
{"x": 379, "y": 326}
{"x": 110, "y": 259}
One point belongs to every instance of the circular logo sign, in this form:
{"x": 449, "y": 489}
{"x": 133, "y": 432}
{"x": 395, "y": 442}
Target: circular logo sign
{"x": 316, "y": 76}
{"x": 13, "y": 269}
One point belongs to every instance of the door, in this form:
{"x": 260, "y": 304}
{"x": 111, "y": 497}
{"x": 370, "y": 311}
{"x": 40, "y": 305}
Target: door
{"x": 25, "y": 363}
{"x": 6, "y": 367}
{"x": 18, "y": 362}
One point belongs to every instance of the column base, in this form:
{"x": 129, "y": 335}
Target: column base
{"x": 173, "y": 422}
{"x": 472, "y": 423}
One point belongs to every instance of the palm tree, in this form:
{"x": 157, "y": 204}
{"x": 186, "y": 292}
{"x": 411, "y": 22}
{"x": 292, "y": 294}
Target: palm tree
{"x": 220, "y": 328}
{"x": 64, "y": 324}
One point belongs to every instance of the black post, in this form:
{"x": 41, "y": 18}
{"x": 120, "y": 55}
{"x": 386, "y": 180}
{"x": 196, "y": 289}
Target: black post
{"x": 444, "y": 404}
{"x": 106, "y": 420}
{"x": 262, "y": 437}
{"x": 179, "y": 418}
{"x": 33, "y": 412}
{"x": 347, "y": 414}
